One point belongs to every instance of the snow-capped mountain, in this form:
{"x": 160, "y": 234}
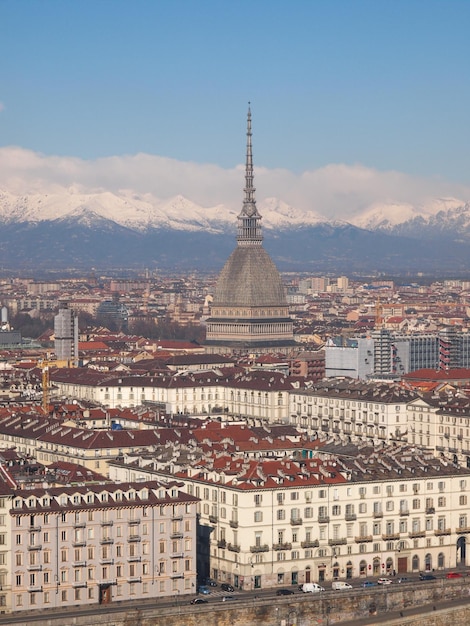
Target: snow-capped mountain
{"x": 125, "y": 229}
{"x": 140, "y": 213}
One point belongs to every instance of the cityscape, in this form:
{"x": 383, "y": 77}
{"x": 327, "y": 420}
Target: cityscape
{"x": 234, "y": 313}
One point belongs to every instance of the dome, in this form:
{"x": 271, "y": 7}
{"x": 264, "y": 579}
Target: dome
{"x": 249, "y": 278}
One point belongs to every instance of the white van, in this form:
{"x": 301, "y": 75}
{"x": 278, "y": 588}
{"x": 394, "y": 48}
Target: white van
{"x": 339, "y": 585}
{"x": 312, "y": 588}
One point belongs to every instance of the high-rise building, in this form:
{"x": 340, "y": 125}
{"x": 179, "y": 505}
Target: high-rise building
{"x": 249, "y": 312}
{"x": 66, "y": 335}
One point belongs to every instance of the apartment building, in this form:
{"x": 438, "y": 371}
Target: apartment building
{"x": 348, "y": 512}
{"x": 352, "y": 409}
{"x": 95, "y": 544}
{"x": 253, "y": 394}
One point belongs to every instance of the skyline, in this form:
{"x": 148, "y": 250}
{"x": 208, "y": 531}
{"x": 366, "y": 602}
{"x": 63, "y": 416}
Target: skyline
{"x": 354, "y": 104}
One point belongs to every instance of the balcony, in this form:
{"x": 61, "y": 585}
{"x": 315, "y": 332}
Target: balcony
{"x": 442, "y": 531}
{"x": 222, "y": 544}
{"x": 296, "y": 521}
{"x": 177, "y": 555}
{"x": 416, "y": 534}
{"x": 79, "y": 524}
{"x": 34, "y": 568}
{"x": 79, "y": 543}
{"x": 176, "y": 535}
{"x": 404, "y": 512}
{"x": 310, "y": 544}
{"x": 391, "y": 537}
{"x": 213, "y": 519}
{"x": 282, "y": 546}
{"x": 430, "y": 510}
{"x": 79, "y": 583}
{"x": 79, "y": 564}
{"x": 106, "y": 522}
{"x": 106, "y": 540}
{"x": 462, "y": 530}
{"x": 107, "y": 581}
{"x": 134, "y": 559}
{"x": 340, "y": 541}
{"x": 107, "y": 561}
{"x": 453, "y": 450}
{"x": 35, "y": 588}
{"x": 34, "y": 529}
{"x": 133, "y": 522}
{"x": 233, "y": 547}
{"x": 134, "y": 538}
{"x": 350, "y": 517}
{"x": 263, "y": 548}
{"x": 233, "y": 523}
{"x": 363, "y": 539}
{"x": 134, "y": 579}
{"x": 176, "y": 575}
{"x": 34, "y": 546}
{"x": 177, "y": 518}
{"x": 378, "y": 514}
{"x": 323, "y": 519}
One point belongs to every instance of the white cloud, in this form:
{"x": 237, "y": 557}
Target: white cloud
{"x": 335, "y": 191}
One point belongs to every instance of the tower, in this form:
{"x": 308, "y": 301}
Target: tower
{"x": 249, "y": 312}
{"x": 66, "y": 335}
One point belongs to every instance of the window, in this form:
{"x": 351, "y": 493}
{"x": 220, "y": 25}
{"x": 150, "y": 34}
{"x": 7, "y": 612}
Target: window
{"x": 463, "y": 500}
{"x": 258, "y": 516}
{"x": 281, "y": 514}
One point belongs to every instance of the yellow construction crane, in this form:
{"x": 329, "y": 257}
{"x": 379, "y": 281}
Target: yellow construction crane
{"x": 378, "y": 314}
{"x": 44, "y": 365}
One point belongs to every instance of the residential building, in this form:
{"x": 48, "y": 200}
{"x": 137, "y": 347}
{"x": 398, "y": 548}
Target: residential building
{"x": 96, "y": 544}
{"x": 347, "y": 512}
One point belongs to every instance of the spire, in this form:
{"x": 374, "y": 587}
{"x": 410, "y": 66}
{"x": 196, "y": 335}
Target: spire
{"x": 249, "y": 227}
{"x": 249, "y": 189}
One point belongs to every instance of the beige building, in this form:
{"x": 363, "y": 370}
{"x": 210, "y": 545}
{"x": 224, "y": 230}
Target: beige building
{"x": 97, "y": 544}
{"x": 351, "y": 410}
{"x": 351, "y": 513}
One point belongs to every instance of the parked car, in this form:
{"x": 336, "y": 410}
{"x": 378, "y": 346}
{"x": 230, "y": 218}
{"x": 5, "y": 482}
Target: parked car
{"x": 210, "y": 582}
{"x": 384, "y": 581}
{"x": 204, "y": 590}
{"x": 427, "y": 577}
{"x": 284, "y": 592}
{"x": 225, "y": 598}
{"x": 403, "y": 579}
{"x": 199, "y": 601}
{"x": 453, "y": 575}
{"x": 226, "y": 587}
{"x": 368, "y": 583}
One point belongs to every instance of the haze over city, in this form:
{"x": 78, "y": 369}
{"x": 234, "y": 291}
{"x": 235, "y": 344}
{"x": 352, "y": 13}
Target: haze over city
{"x": 355, "y": 105}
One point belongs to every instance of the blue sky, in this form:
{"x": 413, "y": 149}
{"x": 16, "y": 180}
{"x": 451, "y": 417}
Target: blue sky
{"x": 383, "y": 84}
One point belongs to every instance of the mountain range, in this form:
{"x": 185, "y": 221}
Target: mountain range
{"x": 70, "y": 229}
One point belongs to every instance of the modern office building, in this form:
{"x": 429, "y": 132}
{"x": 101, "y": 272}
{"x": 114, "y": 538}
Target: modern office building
{"x": 66, "y": 335}
{"x": 387, "y": 354}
